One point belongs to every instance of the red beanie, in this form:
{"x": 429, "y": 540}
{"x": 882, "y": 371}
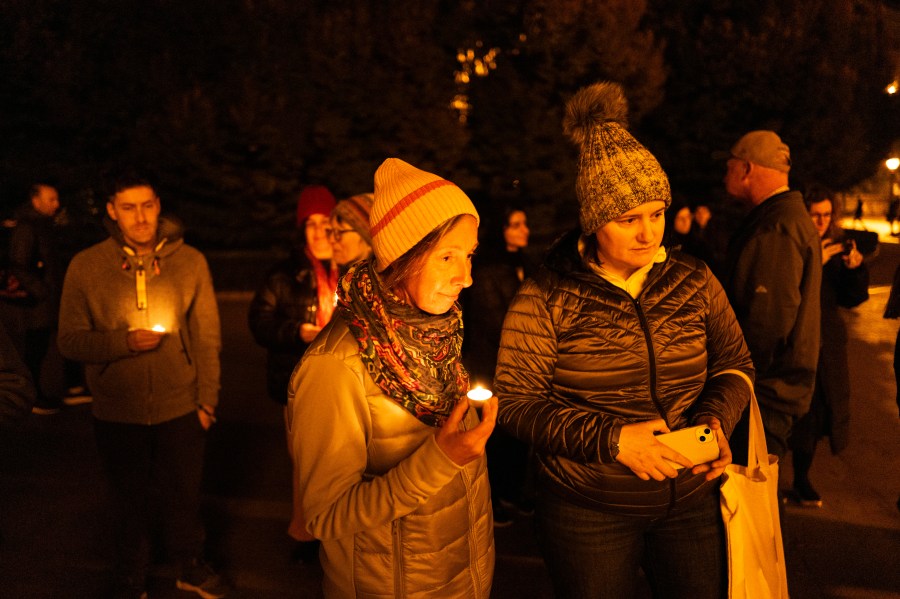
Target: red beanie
{"x": 314, "y": 199}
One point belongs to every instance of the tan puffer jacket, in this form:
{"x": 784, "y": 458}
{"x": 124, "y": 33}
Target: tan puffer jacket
{"x": 579, "y": 358}
{"x": 396, "y": 516}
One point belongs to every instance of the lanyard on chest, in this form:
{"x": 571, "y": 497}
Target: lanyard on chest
{"x": 140, "y": 273}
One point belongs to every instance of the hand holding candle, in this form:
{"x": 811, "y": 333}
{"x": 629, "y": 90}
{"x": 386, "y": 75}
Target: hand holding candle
{"x": 139, "y": 340}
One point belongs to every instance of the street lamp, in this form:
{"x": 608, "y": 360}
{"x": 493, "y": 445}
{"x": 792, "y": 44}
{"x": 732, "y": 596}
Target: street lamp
{"x": 893, "y": 201}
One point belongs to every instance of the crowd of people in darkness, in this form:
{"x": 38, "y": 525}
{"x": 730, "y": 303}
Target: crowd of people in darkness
{"x": 392, "y": 304}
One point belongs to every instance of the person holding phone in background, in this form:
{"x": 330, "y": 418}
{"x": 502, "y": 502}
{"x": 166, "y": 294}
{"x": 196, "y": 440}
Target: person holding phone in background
{"x": 845, "y": 284}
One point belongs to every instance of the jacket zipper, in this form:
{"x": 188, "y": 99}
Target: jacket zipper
{"x": 470, "y": 533}
{"x": 398, "y": 566}
{"x": 645, "y": 328}
{"x": 652, "y": 358}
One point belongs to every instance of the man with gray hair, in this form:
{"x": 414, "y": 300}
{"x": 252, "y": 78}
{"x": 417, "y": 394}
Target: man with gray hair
{"x": 773, "y": 274}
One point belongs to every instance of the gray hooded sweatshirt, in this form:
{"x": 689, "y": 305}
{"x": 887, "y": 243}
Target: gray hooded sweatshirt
{"x": 103, "y": 299}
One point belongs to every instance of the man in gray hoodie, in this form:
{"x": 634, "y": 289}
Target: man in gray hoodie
{"x": 140, "y": 311}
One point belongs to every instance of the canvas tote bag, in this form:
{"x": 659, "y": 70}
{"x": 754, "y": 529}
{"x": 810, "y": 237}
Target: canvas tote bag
{"x": 749, "y": 502}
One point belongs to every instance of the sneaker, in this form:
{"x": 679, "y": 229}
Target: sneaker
{"x": 77, "y": 396}
{"x": 45, "y": 407}
{"x": 804, "y": 495}
{"x": 502, "y": 516}
{"x": 199, "y": 577}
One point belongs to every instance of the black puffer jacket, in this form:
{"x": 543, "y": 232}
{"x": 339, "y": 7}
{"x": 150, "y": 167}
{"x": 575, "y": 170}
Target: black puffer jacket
{"x": 286, "y": 299}
{"x": 579, "y": 358}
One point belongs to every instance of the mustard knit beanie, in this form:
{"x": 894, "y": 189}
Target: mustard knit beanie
{"x": 410, "y": 204}
{"x": 615, "y": 172}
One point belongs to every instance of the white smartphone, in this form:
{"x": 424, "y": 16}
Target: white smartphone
{"x": 697, "y": 443}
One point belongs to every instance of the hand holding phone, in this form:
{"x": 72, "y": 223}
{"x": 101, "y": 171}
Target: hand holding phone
{"x": 697, "y": 443}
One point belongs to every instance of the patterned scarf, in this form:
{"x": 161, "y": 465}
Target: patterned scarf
{"x": 411, "y": 355}
{"x": 326, "y": 283}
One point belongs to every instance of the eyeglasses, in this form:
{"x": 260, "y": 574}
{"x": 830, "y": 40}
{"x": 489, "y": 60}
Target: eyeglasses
{"x": 336, "y": 234}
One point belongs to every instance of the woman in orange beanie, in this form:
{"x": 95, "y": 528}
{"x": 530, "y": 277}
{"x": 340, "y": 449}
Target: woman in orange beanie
{"x": 390, "y": 456}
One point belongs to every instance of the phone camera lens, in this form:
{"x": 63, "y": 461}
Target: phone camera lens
{"x": 702, "y": 438}
{"x": 706, "y": 431}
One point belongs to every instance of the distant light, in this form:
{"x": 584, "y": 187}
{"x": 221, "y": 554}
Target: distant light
{"x": 892, "y": 88}
{"x": 892, "y": 163}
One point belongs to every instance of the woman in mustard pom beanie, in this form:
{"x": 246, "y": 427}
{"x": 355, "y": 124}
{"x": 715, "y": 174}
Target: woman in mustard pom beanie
{"x": 390, "y": 455}
{"x": 615, "y": 341}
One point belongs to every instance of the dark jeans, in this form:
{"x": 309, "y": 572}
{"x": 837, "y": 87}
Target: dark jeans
{"x": 37, "y": 343}
{"x": 592, "y": 554}
{"x": 155, "y": 474}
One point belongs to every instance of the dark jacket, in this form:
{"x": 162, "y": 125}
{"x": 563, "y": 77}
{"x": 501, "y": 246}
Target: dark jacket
{"x": 99, "y": 306}
{"x": 285, "y": 300}
{"x": 773, "y": 280}
{"x": 35, "y": 261}
{"x": 579, "y": 358}
{"x": 495, "y": 281}
{"x": 892, "y": 309}
{"x": 842, "y": 287}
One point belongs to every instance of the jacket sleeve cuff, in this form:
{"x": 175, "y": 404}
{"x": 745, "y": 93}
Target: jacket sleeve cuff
{"x": 609, "y": 450}
{"x": 440, "y": 468}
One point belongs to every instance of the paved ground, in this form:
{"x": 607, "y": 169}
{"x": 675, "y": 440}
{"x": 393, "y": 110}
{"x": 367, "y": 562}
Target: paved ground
{"x": 53, "y": 508}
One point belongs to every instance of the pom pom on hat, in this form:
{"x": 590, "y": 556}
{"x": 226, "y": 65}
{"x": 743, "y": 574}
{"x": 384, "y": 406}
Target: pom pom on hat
{"x": 409, "y": 204}
{"x": 615, "y": 172}
{"x": 314, "y": 199}
{"x": 354, "y": 211}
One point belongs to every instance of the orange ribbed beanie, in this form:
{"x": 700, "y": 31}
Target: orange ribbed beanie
{"x": 409, "y": 204}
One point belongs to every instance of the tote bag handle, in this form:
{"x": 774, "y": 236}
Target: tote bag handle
{"x": 757, "y": 450}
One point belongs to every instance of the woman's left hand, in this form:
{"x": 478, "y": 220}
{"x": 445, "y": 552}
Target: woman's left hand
{"x": 463, "y": 446}
{"x": 715, "y": 468}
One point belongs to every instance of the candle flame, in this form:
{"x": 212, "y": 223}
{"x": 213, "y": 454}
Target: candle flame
{"x": 479, "y": 393}
{"x": 158, "y": 328}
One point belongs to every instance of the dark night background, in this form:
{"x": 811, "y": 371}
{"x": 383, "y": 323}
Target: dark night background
{"x": 233, "y": 105}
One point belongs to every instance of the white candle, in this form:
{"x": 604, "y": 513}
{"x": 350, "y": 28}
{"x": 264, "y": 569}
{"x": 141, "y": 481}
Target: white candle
{"x": 478, "y": 396}
{"x": 158, "y": 328}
